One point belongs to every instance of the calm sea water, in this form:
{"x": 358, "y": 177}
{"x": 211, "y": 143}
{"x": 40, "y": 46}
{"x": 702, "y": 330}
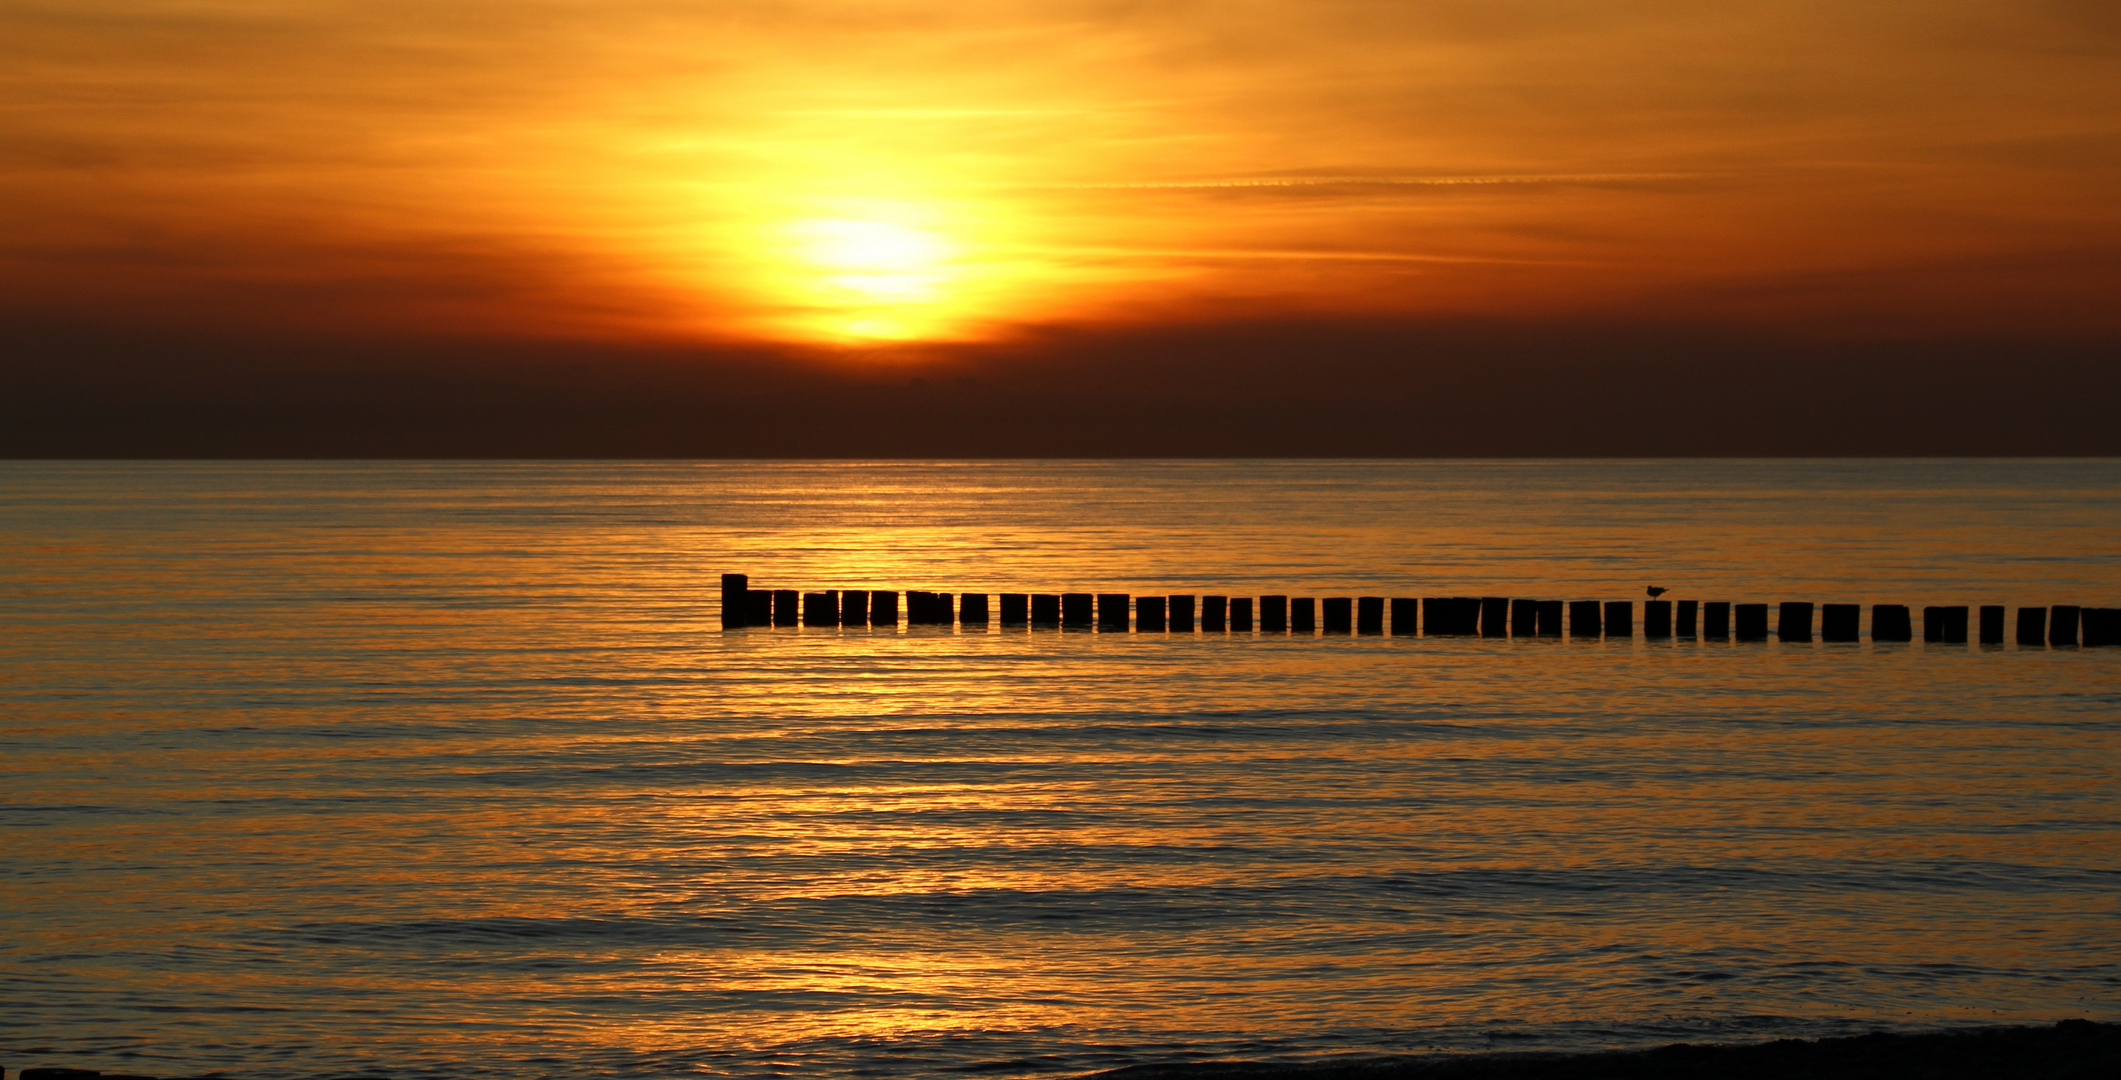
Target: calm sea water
{"x": 323, "y": 769}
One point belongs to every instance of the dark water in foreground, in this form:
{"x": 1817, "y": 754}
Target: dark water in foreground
{"x": 444, "y": 769}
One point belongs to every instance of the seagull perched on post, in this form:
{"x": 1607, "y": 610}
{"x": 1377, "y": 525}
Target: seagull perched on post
{"x": 1656, "y": 591}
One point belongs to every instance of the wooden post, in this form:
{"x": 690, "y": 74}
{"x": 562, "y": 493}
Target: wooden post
{"x": 1466, "y": 614}
{"x": 883, "y": 608}
{"x": 1944, "y": 624}
{"x": 1215, "y": 614}
{"x": 1336, "y": 615}
{"x": 1841, "y": 622}
{"x": 854, "y": 607}
{"x": 1045, "y": 609}
{"x": 2032, "y": 626}
{"x": 1494, "y": 616}
{"x": 1584, "y": 619}
{"x": 919, "y": 609}
{"x": 1406, "y": 616}
{"x": 1181, "y": 614}
{"x": 785, "y": 613}
{"x": 1149, "y": 614}
{"x": 1016, "y": 608}
{"x": 1620, "y": 619}
{"x": 1112, "y": 612}
{"x": 1889, "y": 622}
{"x": 1369, "y": 614}
{"x": 2062, "y": 624}
{"x": 821, "y": 609}
{"x": 1657, "y": 618}
{"x": 1550, "y": 618}
{"x": 1524, "y": 618}
{"x": 1303, "y": 615}
{"x": 1992, "y": 616}
{"x": 2102, "y": 627}
{"x": 736, "y": 611}
{"x": 1752, "y": 622}
{"x": 1273, "y": 614}
{"x": 1689, "y": 618}
{"x": 972, "y": 609}
{"x": 758, "y": 607}
{"x": 1795, "y": 621}
{"x": 1240, "y": 614}
{"x": 1077, "y": 610}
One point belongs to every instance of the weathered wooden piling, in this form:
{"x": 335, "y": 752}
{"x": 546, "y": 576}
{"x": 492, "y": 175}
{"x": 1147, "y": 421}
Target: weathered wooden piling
{"x": 736, "y": 611}
{"x": 1369, "y": 614}
{"x": 758, "y": 607}
{"x": 1046, "y": 609}
{"x": 821, "y": 609}
{"x": 1550, "y": 618}
{"x": 1841, "y": 622}
{"x": 1240, "y": 614}
{"x": 883, "y": 607}
{"x": 1715, "y": 620}
{"x": 2102, "y": 627}
{"x": 1112, "y": 611}
{"x": 1689, "y": 618}
{"x": 1794, "y": 621}
{"x": 1752, "y": 622}
{"x": 1149, "y": 614}
{"x": 1303, "y": 615}
{"x": 1078, "y": 610}
{"x": 1524, "y": 618}
{"x": 1016, "y": 608}
{"x": 2032, "y": 626}
{"x": 1273, "y": 614}
{"x": 1657, "y": 619}
{"x": 1181, "y": 614}
{"x": 1585, "y": 619}
{"x": 1494, "y": 616}
{"x": 854, "y": 607}
{"x": 1215, "y": 614}
{"x": 972, "y": 609}
{"x": 1992, "y": 618}
{"x": 1890, "y": 622}
{"x": 1336, "y": 615}
{"x": 2062, "y": 624}
{"x": 1946, "y": 625}
{"x": 1620, "y": 618}
{"x": 787, "y": 608}
{"x": 920, "y": 607}
{"x": 1406, "y": 616}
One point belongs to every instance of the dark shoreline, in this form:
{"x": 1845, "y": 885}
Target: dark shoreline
{"x": 2069, "y": 1050}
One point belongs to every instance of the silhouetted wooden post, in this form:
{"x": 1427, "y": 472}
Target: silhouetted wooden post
{"x": 1078, "y": 610}
{"x": 821, "y": 609}
{"x": 1657, "y": 618}
{"x": 972, "y": 609}
{"x": 758, "y": 607}
{"x": 1550, "y": 618}
{"x": 1715, "y": 620}
{"x": 1369, "y": 614}
{"x": 1406, "y": 616}
{"x": 2032, "y": 626}
{"x": 1494, "y": 616}
{"x": 1149, "y": 614}
{"x": 854, "y": 607}
{"x": 1620, "y": 618}
{"x": 1215, "y": 614}
{"x": 1045, "y": 609}
{"x": 1273, "y": 614}
{"x": 1303, "y": 615}
{"x": 1841, "y": 622}
{"x": 1584, "y": 619}
{"x": 1465, "y": 615}
{"x": 920, "y": 608}
{"x": 1795, "y": 621}
{"x": 736, "y": 611}
{"x": 1890, "y": 622}
{"x": 1112, "y": 611}
{"x": 1181, "y": 614}
{"x": 2062, "y": 624}
{"x": 786, "y": 609}
{"x": 1435, "y": 615}
{"x": 1944, "y": 624}
{"x": 1992, "y": 616}
{"x": 1016, "y": 608}
{"x": 1240, "y": 614}
{"x": 1336, "y": 615}
{"x": 1689, "y": 618}
{"x": 2102, "y": 627}
{"x": 883, "y": 608}
{"x": 1752, "y": 622}
{"x": 1524, "y": 618}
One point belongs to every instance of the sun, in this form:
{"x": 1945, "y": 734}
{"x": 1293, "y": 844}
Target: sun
{"x": 874, "y": 277}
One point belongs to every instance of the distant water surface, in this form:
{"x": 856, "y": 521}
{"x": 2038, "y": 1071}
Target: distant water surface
{"x": 446, "y": 769}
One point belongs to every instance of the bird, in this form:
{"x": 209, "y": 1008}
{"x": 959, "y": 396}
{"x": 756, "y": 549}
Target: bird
{"x": 1656, "y": 591}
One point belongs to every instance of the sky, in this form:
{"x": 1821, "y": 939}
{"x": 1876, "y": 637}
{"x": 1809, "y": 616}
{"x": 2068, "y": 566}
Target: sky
{"x": 562, "y": 227}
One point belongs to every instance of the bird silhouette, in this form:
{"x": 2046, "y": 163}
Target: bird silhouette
{"x": 1657, "y": 591}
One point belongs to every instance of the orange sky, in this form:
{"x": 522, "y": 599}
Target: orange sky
{"x": 847, "y": 172}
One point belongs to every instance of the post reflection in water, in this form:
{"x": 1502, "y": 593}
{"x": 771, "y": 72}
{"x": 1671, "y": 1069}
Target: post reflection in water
{"x": 326, "y": 768}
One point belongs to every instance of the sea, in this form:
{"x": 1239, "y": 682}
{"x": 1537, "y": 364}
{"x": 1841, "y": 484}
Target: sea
{"x": 438, "y": 769}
